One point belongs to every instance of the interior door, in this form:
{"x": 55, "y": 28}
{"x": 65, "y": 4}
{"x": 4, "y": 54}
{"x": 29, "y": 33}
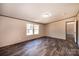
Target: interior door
{"x": 71, "y": 32}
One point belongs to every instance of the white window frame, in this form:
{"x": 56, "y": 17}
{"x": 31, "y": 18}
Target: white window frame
{"x": 28, "y": 29}
{"x": 33, "y": 29}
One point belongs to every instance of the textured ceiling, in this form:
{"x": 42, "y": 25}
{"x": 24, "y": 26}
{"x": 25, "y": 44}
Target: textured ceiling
{"x": 34, "y": 11}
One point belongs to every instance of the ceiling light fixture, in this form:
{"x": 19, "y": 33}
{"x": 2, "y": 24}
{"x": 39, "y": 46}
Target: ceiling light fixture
{"x": 46, "y": 15}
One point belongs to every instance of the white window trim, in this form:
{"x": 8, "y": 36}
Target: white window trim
{"x": 33, "y": 29}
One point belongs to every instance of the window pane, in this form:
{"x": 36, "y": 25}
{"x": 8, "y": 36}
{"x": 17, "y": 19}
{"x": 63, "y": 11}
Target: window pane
{"x": 32, "y": 29}
{"x": 36, "y": 31}
{"x": 29, "y": 32}
{"x": 29, "y": 29}
{"x": 29, "y": 26}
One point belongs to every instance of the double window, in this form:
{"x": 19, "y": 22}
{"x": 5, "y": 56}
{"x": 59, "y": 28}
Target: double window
{"x": 32, "y": 29}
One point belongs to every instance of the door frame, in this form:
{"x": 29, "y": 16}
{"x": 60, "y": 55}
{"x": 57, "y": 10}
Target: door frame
{"x": 76, "y": 30}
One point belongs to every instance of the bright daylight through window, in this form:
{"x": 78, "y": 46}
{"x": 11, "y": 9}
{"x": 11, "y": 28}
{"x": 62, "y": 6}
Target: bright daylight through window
{"x": 32, "y": 29}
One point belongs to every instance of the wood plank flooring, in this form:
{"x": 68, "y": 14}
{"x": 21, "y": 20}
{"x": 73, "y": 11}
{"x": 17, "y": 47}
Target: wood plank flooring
{"x": 42, "y": 47}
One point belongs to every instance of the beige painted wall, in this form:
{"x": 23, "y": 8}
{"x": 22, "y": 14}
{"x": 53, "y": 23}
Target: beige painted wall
{"x": 57, "y": 29}
{"x": 13, "y": 31}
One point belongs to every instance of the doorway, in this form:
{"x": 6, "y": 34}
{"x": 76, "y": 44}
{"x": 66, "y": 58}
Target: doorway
{"x": 72, "y": 31}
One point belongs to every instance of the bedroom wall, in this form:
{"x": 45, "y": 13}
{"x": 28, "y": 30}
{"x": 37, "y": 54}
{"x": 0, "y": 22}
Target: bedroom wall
{"x": 13, "y": 31}
{"x": 57, "y": 29}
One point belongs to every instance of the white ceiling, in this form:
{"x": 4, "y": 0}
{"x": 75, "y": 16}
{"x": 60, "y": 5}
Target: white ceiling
{"x": 34, "y": 11}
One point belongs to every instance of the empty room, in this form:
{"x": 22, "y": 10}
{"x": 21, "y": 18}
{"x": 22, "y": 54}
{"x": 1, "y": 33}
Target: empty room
{"x": 39, "y": 29}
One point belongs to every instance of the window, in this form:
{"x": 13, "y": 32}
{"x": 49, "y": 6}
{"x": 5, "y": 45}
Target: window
{"x": 36, "y": 29}
{"x": 29, "y": 29}
{"x": 32, "y": 29}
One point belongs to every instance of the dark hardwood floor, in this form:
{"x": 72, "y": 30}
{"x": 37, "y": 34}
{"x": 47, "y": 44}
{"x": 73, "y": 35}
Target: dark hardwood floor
{"x": 42, "y": 47}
